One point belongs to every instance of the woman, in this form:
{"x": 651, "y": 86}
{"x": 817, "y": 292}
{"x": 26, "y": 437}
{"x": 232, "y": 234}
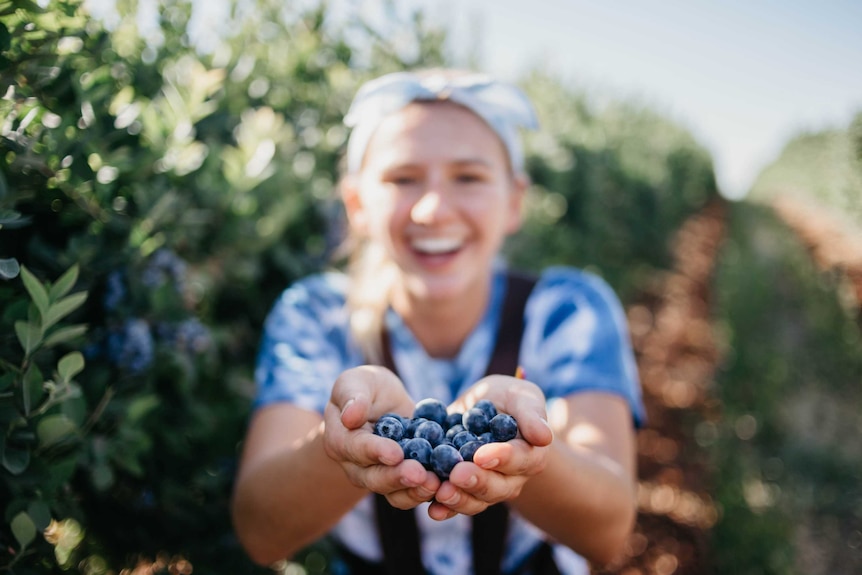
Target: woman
{"x": 434, "y": 185}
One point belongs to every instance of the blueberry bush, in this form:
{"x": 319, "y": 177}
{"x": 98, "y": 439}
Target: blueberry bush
{"x": 155, "y": 196}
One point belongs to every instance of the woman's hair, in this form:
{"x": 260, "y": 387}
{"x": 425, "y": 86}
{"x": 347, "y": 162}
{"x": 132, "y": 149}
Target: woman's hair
{"x": 503, "y": 107}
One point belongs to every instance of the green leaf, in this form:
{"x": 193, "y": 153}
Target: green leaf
{"x": 70, "y": 365}
{"x": 6, "y": 380}
{"x": 29, "y": 335}
{"x": 40, "y": 513}
{"x": 62, "y": 308}
{"x": 54, "y": 429}
{"x": 102, "y": 476}
{"x": 64, "y": 334}
{"x": 33, "y": 388}
{"x": 141, "y": 406}
{"x": 15, "y": 459}
{"x": 62, "y": 286}
{"x": 5, "y": 43}
{"x": 37, "y": 291}
{"x": 9, "y": 268}
{"x": 23, "y": 529}
{"x": 11, "y": 220}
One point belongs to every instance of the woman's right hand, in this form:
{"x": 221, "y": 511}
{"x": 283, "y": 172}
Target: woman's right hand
{"x": 362, "y": 395}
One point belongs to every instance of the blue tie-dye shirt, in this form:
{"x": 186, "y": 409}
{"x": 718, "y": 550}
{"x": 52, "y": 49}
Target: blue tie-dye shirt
{"x": 575, "y": 339}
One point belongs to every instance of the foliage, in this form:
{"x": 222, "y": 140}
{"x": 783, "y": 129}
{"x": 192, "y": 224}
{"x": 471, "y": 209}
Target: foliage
{"x": 787, "y": 479}
{"x": 155, "y": 199}
{"x": 612, "y": 183}
{"x": 824, "y": 167}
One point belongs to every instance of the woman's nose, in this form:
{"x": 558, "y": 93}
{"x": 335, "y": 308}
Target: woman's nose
{"x": 431, "y": 207}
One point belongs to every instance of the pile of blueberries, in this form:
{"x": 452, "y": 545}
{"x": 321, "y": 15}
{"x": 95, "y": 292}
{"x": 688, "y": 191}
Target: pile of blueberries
{"x": 440, "y": 440}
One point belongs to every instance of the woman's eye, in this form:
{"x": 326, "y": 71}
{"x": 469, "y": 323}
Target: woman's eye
{"x": 402, "y": 180}
{"x": 469, "y": 178}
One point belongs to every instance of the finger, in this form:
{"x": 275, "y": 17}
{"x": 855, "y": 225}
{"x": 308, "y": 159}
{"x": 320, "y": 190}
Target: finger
{"x": 439, "y": 512}
{"x": 413, "y": 495}
{"x": 357, "y": 446}
{"x": 478, "y": 488}
{"x": 512, "y": 458}
{"x": 366, "y": 392}
{"x": 459, "y": 501}
{"x": 525, "y": 401}
{"x": 408, "y": 477}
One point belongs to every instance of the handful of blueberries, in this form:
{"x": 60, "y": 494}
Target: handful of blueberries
{"x": 440, "y": 440}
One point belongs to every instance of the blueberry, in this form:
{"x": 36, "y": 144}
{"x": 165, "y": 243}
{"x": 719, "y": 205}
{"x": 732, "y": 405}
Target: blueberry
{"x": 454, "y": 430}
{"x": 418, "y": 449}
{"x": 404, "y": 420}
{"x": 389, "y": 427}
{"x": 486, "y": 437}
{"x": 430, "y": 430}
{"x": 475, "y": 421}
{"x": 432, "y": 409}
{"x": 468, "y": 449}
{"x": 452, "y": 419}
{"x": 488, "y": 407}
{"x": 503, "y": 427}
{"x": 464, "y": 437}
{"x": 412, "y": 424}
{"x": 443, "y": 458}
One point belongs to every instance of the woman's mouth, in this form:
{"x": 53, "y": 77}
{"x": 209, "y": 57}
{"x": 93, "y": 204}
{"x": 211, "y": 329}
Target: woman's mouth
{"x": 436, "y": 246}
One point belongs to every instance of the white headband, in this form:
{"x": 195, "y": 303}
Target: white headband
{"x": 504, "y": 108}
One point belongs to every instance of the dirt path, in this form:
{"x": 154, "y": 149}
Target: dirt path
{"x": 677, "y": 357}
{"x": 833, "y": 245}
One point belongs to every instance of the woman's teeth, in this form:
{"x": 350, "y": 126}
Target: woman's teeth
{"x": 435, "y": 246}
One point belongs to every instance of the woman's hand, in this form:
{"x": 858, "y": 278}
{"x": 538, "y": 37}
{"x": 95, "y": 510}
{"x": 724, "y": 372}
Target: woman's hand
{"x": 499, "y": 470}
{"x": 359, "y": 396}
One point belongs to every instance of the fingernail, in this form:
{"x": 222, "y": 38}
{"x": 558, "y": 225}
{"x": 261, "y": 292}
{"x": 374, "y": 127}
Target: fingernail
{"x": 491, "y": 464}
{"x": 424, "y": 494}
{"x": 346, "y": 405}
{"x": 452, "y": 500}
{"x": 472, "y": 481}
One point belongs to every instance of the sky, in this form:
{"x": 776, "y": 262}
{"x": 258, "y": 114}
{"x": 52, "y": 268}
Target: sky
{"x": 744, "y": 76}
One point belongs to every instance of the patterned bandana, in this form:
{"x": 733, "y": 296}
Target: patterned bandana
{"x": 504, "y": 107}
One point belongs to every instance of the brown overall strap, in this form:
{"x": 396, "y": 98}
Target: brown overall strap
{"x": 399, "y": 534}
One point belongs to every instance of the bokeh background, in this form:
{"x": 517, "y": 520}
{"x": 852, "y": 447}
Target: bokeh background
{"x": 167, "y": 168}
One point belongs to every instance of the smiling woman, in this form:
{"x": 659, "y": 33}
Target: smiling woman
{"x": 428, "y": 309}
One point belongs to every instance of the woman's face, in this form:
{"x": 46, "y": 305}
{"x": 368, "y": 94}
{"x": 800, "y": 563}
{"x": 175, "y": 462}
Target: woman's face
{"x": 436, "y": 190}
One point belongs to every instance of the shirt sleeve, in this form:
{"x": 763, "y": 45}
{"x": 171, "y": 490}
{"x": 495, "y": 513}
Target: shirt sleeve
{"x": 576, "y": 339}
{"x": 304, "y": 345}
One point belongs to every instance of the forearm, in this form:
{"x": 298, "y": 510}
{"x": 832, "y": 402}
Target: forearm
{"x": 583, "y": 500}
{"x": 277, "y": 508}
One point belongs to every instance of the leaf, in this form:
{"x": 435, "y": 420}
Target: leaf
{"x": 29, "y": 335}
{"x": 102, "y": 476}
{"x": 9, "y": 268}
{"x": 37, "y": 291}
{"x": 54, "y": 429}
{"x": 5, "y": 43}
{"x": 40, "y": 513}
{"x": 23, "y": 529}
{"x": 70, "y": 365}
{"x": 33, "y": 388}
{"x": 64, "y": 334}
{"x": 141, "y": 406}
{"x": 15, "y": 460}
{"x": 62, "y": 286}
{"x": 64, "y": 307}
{"x": 6, "y": 380}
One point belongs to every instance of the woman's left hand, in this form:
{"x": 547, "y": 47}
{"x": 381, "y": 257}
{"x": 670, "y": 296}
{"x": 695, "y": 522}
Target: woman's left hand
{"x": 498, "y": 471}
